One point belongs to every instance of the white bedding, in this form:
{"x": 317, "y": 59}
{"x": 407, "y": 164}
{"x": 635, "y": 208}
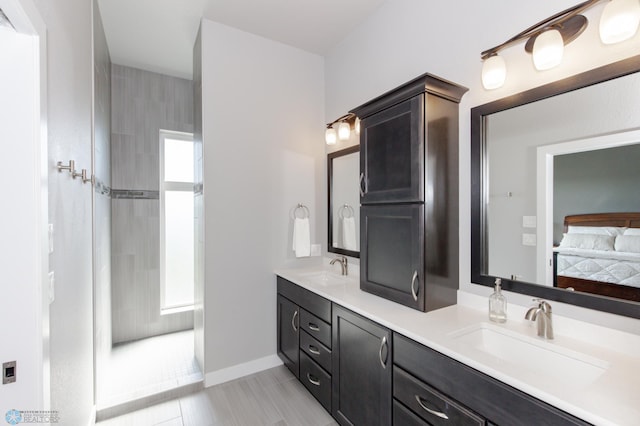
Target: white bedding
{"x": 599, "y": 265}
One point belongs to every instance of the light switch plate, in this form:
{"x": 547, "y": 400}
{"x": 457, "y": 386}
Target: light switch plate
{"x": 529, "y": 221}
{"x": 50, "y": 238}
{"x": 529, "y": 239}
{"x": 8, "y": 372}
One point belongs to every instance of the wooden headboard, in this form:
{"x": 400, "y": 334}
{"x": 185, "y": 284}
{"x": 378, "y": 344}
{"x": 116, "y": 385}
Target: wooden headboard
{"x": 627, "y": 220}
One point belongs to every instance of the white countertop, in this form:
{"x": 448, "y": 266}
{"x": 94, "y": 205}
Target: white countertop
{"x": 612, "y": 397}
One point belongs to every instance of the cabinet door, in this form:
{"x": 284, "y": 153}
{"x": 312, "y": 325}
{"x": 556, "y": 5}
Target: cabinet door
{"x": 288, "y": 332}
{"x": 362, "y": 368}
{"x": 392, "y": 154}
{"x": 392, "y": 253}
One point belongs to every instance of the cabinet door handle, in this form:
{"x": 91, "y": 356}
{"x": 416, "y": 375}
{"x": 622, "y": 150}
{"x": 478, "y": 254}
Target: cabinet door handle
{"x": 383, "y": 344}
{"x": 293, "y": 321}
{"x": 314, "y": 350}
{"x": 414, "y": 291}
{"x": 313, "y": 327}
{"x": 313, "y": 380}
{"x": 363, "y": 190}
{"x": 428, "y": 410}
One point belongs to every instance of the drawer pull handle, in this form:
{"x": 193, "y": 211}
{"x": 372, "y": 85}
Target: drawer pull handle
{"x": 428, "y": 410}
{"x": 313, "y": 327}
{"x": 313, "y": 380}
{"x": 314, "y": 350}
{"x": 293, "y": 321}
{"x": 414, "y": 291}
{"x": 383, "y": 344}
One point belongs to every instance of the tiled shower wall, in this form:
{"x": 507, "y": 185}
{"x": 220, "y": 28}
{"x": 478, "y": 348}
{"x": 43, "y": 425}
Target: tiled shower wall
{"x": 142, "y": 103}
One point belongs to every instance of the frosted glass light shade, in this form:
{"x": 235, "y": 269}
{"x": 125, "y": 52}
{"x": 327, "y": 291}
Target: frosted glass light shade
{"x": 344, "y": 131}
{"x": 357, "y": 126}
{"x": 494, "y": 72}
{"x": 547, "y": 50}
{"x": 619, "y": 21}
{"x": 330, "y": 136}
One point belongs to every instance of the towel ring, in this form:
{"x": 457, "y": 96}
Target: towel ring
{"x": 345, "y": 208}
{"x": 304, "y": 209}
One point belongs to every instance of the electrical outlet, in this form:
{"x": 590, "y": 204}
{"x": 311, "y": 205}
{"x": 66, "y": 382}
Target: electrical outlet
{"x": 529, "y": 239}
{"x": 316, "y": 249}
{"x": 529, "y": 221}
{"x": 52, "y": 287}
{"x": 8, "y": 372}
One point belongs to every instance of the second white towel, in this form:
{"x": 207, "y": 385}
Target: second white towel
{"x": 349, "y": 233}
{"x": 301, "y": 237}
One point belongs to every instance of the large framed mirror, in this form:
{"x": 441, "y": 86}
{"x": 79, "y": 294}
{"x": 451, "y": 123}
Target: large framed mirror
{"x": 343, "y": 170}
{"x": 555, "y": 190}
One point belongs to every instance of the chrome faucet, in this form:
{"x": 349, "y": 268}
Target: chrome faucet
{"x": 343, "y": 264}
{"x": 542, "y": 315}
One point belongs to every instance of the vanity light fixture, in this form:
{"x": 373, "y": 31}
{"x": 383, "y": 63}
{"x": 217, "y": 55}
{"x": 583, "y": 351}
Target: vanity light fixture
{"x": 345, "y": 123}
{"x": 546, "y": 39}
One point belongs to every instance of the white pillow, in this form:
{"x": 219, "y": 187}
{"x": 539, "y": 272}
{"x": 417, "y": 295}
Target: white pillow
{"x": 597, "y": 230}
{"x": 588, "y": 241}
{"x": 632, "y": 231}
{"x": 628, "y": 243}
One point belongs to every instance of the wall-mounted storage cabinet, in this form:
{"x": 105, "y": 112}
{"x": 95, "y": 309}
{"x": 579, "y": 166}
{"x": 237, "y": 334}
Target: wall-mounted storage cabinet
{"x": 409, "y": 159}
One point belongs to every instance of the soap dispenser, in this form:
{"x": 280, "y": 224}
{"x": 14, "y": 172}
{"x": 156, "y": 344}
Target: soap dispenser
{"x": 498, "y": 304}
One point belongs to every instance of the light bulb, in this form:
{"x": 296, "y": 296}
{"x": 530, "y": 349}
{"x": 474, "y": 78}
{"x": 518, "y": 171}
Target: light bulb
{"x": 619, "y": 21}
{"x": 357, "y": 126}
{"x": 344, "y": 131}
{"x": 547, "y": 50}
{"x": 494, "y": 72}
{"x": 330, "y": 136}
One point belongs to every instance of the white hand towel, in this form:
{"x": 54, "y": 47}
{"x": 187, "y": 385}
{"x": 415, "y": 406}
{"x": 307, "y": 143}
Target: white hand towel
{"x": 349, "y": 233}
{"x": 301, "y": 237}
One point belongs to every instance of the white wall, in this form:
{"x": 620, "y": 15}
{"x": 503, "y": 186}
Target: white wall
{"x": 70, "y": 71}
{"x": 405, "y": 38}
{"x": 262, "y": 116}
{"x": 21, "y": 217}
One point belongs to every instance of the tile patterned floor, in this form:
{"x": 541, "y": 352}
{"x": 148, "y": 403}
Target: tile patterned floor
{"x": 272, "y": 397}
{"x": 148, "y": 366}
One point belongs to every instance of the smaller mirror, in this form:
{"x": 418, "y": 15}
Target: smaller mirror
{"x": 343, "y": 169}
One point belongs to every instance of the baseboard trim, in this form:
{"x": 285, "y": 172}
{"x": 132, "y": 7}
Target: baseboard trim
{"x": 240, "y": 370}
{"x": 92, "y": 416}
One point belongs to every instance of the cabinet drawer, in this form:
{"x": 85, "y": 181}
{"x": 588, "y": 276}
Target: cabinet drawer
{"x": 316, "y": 380}
{"x": 318, "y": 306}
{"x": 430, "y": 404}
{"x": 497, "y": 402}
{"x": 315, "y": 327}
{"x": 316, "y": 351}
{"x": 404, "y": 417}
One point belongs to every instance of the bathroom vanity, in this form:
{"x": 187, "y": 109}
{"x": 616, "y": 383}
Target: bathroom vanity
{"x": 388, "y": 364}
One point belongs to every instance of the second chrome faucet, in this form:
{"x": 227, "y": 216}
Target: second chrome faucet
{"x": 541, "y": 314}
{"x": 343, "y": 264}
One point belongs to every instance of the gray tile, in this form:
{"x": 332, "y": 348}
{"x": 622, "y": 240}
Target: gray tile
{"x": 297, "y": 405}
{"x": 156, "y": 414}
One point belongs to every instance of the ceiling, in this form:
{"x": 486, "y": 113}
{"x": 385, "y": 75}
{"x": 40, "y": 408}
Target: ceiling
{"x": 158, "y": 35}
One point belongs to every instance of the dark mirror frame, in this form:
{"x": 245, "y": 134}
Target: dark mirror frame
{"x": 479, "y": 169}
{"x": 330, "y": 157}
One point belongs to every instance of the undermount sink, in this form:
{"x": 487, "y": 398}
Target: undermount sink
{"x": 532, "y": 354}
{"x": 325, "y": 277}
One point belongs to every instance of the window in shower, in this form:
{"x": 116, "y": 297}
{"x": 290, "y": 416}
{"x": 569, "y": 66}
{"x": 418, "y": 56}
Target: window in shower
{"x": 176, "y": 221}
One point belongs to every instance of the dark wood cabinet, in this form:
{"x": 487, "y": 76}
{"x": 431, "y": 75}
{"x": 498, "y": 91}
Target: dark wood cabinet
{"x": 392, "y": 248}
{"x": 409, "y": 157}
{"x": 391, "y": 154}
{"x": 288, "y": 334}
{"x": 461, "y": 390}
{"x": 362, "y": 368}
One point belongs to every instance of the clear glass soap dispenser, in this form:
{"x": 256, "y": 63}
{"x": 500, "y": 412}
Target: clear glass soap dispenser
{"x": 498, "y": 304}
